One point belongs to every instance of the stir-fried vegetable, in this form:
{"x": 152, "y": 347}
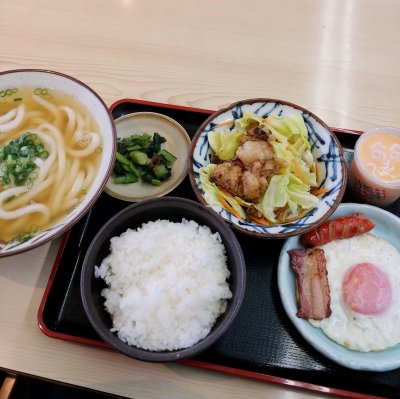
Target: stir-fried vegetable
{"x": 289, "y": 190}
{"x": 20, "y": 158}
{"x": 140, "y": 156}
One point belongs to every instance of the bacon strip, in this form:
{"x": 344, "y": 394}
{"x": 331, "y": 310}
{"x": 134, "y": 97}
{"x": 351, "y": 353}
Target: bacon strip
{"x": 343, "y": 227}
{"x": 312, "y": 288}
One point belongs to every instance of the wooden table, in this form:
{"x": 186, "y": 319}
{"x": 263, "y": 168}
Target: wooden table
{"x": 338, "y": 58}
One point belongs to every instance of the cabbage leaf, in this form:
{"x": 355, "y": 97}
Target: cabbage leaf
{"x": 285, "y": 190}
{"x": 248, "y": 119}
{"x": 276, "y": 196}
{"x": 224, "y": 143}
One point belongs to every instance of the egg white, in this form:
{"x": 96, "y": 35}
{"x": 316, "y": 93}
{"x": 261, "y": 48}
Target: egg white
{"x": 353, "y": 330}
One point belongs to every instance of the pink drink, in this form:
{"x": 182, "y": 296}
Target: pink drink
{"x": 375, "y": 170}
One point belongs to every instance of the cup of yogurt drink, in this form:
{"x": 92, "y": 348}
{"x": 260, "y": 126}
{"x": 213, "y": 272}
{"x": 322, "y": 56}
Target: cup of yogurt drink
{"x": 374, "y": 175}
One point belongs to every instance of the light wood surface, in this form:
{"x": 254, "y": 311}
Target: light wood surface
{"x": 338, "y": 58}
{"x": 7, "y": 386}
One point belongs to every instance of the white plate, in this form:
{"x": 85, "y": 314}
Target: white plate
{"x": 178, "y": 144}
{"x": 387, "y": 226}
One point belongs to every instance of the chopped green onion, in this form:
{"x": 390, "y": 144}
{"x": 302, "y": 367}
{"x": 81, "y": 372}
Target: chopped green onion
{"x": 17, "y": 160}
{"x": 44, "y": 154}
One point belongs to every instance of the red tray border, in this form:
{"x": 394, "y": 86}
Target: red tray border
{"x": 190, "y": 362}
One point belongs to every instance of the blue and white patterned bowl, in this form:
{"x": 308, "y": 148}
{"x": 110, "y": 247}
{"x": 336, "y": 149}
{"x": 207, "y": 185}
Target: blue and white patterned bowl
{"x": 325, "y": 147}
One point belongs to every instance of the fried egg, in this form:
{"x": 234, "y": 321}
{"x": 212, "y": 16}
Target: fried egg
{"x": 364, "y": 283}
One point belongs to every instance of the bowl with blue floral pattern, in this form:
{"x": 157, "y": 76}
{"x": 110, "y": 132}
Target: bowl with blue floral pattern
{"x": 270, "y": 168}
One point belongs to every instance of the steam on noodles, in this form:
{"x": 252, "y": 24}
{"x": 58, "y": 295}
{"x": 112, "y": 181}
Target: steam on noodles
{"x": 49, "y": 153}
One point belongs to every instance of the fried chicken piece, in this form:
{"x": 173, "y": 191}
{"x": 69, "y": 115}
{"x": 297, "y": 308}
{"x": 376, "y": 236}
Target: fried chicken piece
{"x": 253, "y": 186}
{"x": 228, "y": 176}
{"x": 264, "y": 168}
{"x": 247, "y": 184}
{"x": 251, "y": 151}
{"x": 247, "y": 176}
{"x": 254, "y": 133}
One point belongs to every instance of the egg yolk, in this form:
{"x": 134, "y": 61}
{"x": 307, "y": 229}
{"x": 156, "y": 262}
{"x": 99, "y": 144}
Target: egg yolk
{"x": 367, "y": 289}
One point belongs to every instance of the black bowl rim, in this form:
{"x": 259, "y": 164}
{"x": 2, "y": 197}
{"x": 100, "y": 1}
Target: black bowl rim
{"x": 52, "y": 234}
{"x": 168, "y": 356}
{"x": 257, "y": 234}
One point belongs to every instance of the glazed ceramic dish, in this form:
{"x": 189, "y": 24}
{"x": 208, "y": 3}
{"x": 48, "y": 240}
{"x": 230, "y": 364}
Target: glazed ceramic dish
{"x": 387, "y": 226}
{"x": 173, "y": 209}
{"x": 326, "y": 150}
{"x": 178, "y": 143}
{"x": 44, "y": 84}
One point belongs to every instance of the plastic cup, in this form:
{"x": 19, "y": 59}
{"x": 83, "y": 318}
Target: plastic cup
{"x": 374, "y": 175}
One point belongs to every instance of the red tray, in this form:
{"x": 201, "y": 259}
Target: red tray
{"x": 270, "y": 350}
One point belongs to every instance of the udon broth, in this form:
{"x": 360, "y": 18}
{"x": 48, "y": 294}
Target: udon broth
{"x": 63, "y": 173}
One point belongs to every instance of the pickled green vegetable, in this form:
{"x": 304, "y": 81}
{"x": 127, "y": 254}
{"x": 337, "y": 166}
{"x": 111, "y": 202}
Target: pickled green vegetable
{"x": 141, "y": 157}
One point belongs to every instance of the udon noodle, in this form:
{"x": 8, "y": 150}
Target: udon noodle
{"x": 68, "y": 146}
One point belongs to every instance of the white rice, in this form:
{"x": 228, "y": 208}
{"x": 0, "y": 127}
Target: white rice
{"x": 166, "y": 284}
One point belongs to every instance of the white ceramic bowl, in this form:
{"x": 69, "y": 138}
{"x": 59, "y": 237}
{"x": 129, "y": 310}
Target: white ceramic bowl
{"x": 387, "y": 226}
{"x": 31, "y": 78}
{"x": 325, "y": 147}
